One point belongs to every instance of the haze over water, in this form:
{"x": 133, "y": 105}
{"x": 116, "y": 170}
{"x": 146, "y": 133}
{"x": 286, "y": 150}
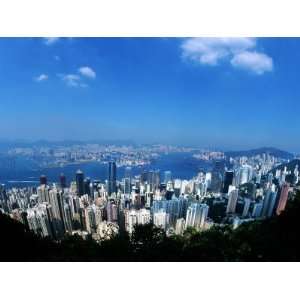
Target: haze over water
{"x": 182, "y": 165}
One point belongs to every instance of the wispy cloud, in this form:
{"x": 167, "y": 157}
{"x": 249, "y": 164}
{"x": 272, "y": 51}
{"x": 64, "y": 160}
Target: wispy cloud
{"x": 41, "y": 77}
{"x": 87, "y": 72}
{"x": 56, "y": 57}
{"x": 240, "y": 52}
{"x": 70, "y": 79}
{"x": 254, "y": 61}
{"x": 50, "y": 40}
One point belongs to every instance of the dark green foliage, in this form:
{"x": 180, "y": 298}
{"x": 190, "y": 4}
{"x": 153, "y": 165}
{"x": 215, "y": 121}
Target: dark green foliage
{"x": 19, "y": 244}
{"x": 274, "y": 239}
{"x": 146, "y": 241}
{"x": 217, "y": 212}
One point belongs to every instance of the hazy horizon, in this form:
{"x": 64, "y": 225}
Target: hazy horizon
{"x": 134, "y": 143}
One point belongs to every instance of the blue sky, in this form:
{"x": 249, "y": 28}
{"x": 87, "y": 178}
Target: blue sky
{"x": 223, "y": 93}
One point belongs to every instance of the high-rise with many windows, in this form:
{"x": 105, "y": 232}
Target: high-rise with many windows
{"x": 112, "y": 177}
{"x": 232, "y": 201}
{"x": 80, "y": 183}
{"x": 196, "y": 215}
{"x": 283, "y": 198}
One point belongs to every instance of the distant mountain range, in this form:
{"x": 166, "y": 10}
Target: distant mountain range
{"x": 272, "y": 151}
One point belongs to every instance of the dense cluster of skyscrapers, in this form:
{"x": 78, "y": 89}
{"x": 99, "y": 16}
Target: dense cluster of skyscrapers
{"x": 232, "y": 192}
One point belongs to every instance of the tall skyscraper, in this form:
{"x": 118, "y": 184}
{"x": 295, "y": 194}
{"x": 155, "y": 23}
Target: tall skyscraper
{"x": 43, "y": 193}
{"x": 90, "y": 219}
{"x": 228, "y": 180}
{"x": 68, "y": 218}
{"x": 246, "y": 207}
{"x": 80, "y": 182}
{"x": 127, "y": 186}
{"x": 257, "y": 209}
{"x": 196, "y": 215}
{"x": 57, "y": 208}
{"x": 217, "y": 177}
{"x": 86, "y": 184}
{"x": 127, "y": 181}
{"x": 167, "y": 176}
{"x": 43, "y": 180}
{"x": 63, "y": 181}
{"x": 244, "y": 175}
{"x": 38, "y": 220}
{"x": 268, "y": 203}
{"x": 111, "y": 211}
{"x": 283, "y": 198}
{"x": 232, "y": 201}
{"x": 112, "y": 178}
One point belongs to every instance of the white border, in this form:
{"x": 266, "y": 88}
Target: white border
{"x": 149, "y": 280}
{"x": 149, "y": 18}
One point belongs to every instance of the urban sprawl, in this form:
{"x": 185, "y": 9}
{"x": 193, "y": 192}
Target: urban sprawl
{"x": 251, "y": 188}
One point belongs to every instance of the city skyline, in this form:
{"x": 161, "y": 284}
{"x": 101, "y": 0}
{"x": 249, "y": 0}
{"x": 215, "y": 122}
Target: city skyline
{"x": 238, "y": 93}
{"x": 235, "y": 191}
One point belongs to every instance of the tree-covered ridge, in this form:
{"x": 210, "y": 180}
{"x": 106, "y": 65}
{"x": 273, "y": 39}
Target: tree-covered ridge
{"x": 274, "y": 239}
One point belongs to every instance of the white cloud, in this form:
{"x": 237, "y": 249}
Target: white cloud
{"x": 211, "y": 50}
{"x": 254, "y": 61}
{"x": 87, "y": 72}
{"x": 239, "y": 51}
{"x": 50, "y": 40}
{"x": 70, "y": 79}
{"x": 41, "y": 77}
{"x": 56, "y": 57}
